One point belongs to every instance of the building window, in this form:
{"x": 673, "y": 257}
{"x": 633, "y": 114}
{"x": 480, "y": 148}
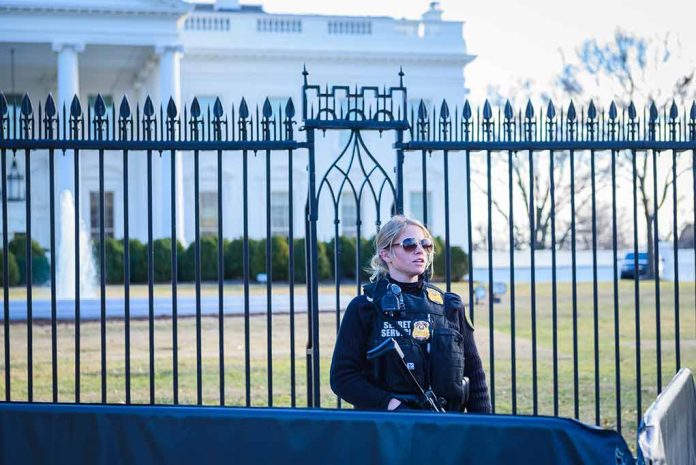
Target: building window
{"x": 416, "y": 203}
{"x": 349, "y": 215}
{"x": 208, "y": 213}
{"x": 280, "y": 222}
{"x": 350, "y": 27}
{"x": 279, "y": 25}
{"x": 108, "y": 214}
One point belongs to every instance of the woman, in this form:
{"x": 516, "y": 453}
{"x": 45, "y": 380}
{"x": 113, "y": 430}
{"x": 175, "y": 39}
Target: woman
{"x": 429, "y": 325}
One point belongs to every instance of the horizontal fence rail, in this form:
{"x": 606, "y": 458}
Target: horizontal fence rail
{"x": 557, "y": 207}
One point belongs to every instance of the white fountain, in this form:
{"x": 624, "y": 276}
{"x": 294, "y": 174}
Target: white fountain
{"x": 66, "y": 254}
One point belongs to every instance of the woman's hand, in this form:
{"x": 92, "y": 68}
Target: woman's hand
{"x": 393, "y": 404}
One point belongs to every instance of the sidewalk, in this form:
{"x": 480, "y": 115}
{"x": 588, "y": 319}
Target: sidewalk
{"x": 90, "y": 309}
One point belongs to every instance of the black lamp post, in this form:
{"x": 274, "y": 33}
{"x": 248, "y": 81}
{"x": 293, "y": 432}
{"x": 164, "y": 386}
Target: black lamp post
{"x": 15, "y": 184}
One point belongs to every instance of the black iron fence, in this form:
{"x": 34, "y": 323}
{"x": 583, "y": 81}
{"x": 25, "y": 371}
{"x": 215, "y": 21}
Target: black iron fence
{"x": 558, "y": 338}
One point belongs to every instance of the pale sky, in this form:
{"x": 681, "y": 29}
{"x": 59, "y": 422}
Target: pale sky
{"x": 516, "y": 39}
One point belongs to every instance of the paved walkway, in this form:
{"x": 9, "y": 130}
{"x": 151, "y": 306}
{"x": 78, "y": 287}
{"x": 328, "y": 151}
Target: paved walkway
{"x": 90, "y": 309}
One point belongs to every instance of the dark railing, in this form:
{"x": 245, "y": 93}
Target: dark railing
{"x": 542, "y": 170}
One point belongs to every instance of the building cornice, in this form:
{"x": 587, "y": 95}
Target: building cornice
{"x": 391, "y": 57}
{"x": 174, "y": 8}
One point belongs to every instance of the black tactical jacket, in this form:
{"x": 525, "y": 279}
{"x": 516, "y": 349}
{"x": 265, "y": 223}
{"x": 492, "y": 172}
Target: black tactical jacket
{"x": 368, "y": 385}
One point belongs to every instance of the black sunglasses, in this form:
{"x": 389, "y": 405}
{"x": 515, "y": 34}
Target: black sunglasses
{"x": 410, "y": 244}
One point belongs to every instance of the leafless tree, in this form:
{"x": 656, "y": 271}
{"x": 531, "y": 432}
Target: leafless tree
{"x": 541, "y": 194}
{"x": 628, "y": 65}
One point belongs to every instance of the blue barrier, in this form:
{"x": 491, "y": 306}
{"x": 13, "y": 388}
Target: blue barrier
{"x": 111, "y": 434}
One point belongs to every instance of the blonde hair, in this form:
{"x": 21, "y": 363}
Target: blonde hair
{"x": 385, "y": 239}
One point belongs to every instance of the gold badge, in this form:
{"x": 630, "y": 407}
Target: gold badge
{"x": 434, "y": 296}
{"x": 421, "y": 330}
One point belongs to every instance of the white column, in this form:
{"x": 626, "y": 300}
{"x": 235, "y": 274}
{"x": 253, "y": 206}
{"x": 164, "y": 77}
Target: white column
{"x": 68, "y": 73}
{"x": 68, "y": 87}
{"x": 170, "y": 77}
{"x": 170, "y": 87}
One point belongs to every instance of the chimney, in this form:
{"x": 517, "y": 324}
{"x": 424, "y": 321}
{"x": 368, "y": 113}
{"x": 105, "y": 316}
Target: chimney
{"x": 434, "y": 13}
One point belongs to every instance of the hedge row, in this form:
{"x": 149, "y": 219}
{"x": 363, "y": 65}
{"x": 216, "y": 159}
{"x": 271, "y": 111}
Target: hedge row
{"x": 17, "y": 262}
{"x": 233, "y": 253}
{"x": 233, "y": 257}
{"x": 13, "y": 270}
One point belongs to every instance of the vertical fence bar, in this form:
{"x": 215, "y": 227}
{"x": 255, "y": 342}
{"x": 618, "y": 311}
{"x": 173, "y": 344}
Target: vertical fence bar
{"x": 656, "y": 272}
{"x": 491, "y": 335}
{"x": 5, "y": 279}
{"x": 424, "y": 175}
{"x": 676, "y": 262}
{"x": 245, "y": 266}
{"x": 291, "y": 278}
{"x": 54, "y": 325}
{"x": 532, "y": 253}
{"x": 574, "y": 286}
{"x": 595, "y": 296}
{"x": 29, "y": 277}
{"x": 174, "y": 277}
{"x": 221, "y": 279}
{"x": 269, "y": 283}
{"x": 337, "y": 275}
{"x": 448, "y": 252}
{"x": 511, "y": 216}
{"x": 636, "y": 287}
{"x": 615, "y": 263}
{"x": 150, "y": 279}
{"x": 102, "y": 273}
{"x": 358, "y": 233}
{"x": 126, "y": 273}
{"x": 197, "y": 265}
{"x": 308, "y": 281}
{"x": 693, "y": 181}
{"x": 76, "y": 201}
{"x": 469, "y": 239}
{"x": 400, "y": 172}
{"x": 554, "y": 284}
{"x": 314, "y": 311}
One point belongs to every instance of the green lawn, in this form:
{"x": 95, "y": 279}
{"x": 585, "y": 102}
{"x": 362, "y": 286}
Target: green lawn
{"x": 234, "y": 349}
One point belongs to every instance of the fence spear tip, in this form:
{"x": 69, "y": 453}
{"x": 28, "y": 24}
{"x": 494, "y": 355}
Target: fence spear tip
{"x": 50, "y": 106}
{"x": 509, "y": 114}
{"x": 149, "y": 108}
{"x": 171, "y": 109}
{"x": 124, "y": 110}
{"x": 195, "y": 108}
{"x": 592, "y": 111}
{"x": 26, "y": 106}
{"x": 267, "y": 110}
{"x": 218, "y": 110}
{"x": 529, "y": 110}
{"x": 75, "y": 107}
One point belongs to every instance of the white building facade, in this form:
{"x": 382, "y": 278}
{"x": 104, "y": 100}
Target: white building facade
{"x": 171, "y": 48}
